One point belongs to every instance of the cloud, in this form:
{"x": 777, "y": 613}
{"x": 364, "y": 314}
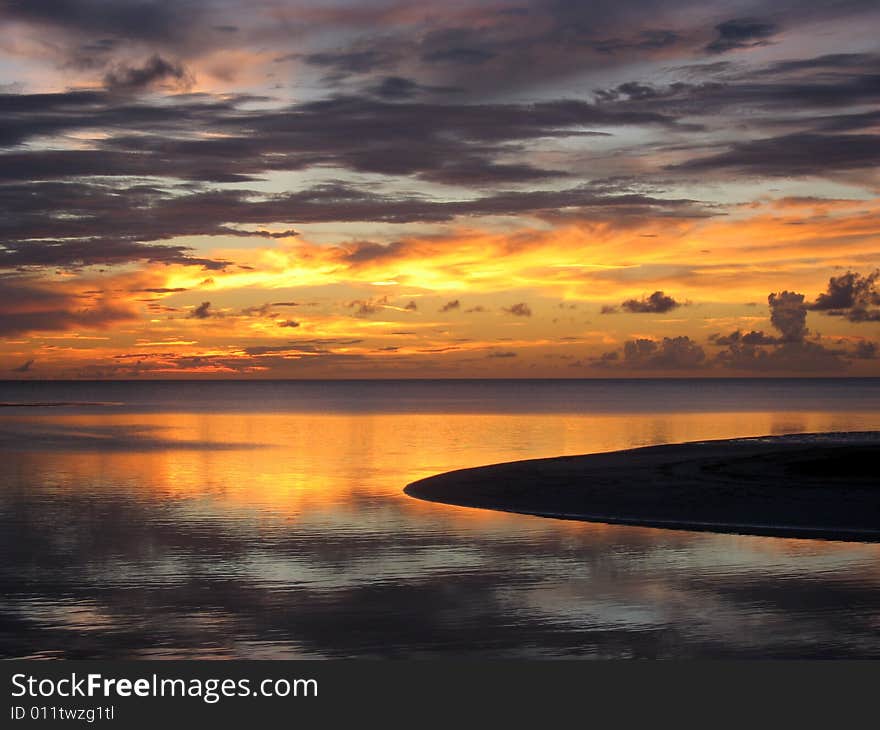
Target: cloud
{"x": 520, "y": 309}
{"x": 202, "y": 311}
{"x": 670, "y": 353}
{"x": 288, "y": 323}
{"x": 791, "y": 352}
{"x": 747, "y": 351}
{"x": 30, "y": 253}
{"x": 449, "y": 306}
{"x": 740, "y": 33}
{"x": 754, "y": 337}
{"x": 29, "y": 305}
{"x": 865, "y": 350}
{"x": 850, "y": 295}
{"x": 366, "y": 307}
{"x": 149, "y": 21}
{"x": 411, "y": 306}
{"x": 155, "y": 70}
{"x": 656, "y": 303}
{"x": 399, "y": 87}
{"x": 799, "y": 153}
{"x": 501, "y": 354}
{"x": 23, "y": 368}
{"x": 788, "y": 314}
{"x": 353, "y": 62}
{"x": 791, "y": 357}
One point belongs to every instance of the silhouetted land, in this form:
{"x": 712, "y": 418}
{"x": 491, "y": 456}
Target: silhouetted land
{"x": 809, "y": 485}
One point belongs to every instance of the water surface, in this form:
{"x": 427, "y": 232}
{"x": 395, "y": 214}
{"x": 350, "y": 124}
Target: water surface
{"x": 267, "y": 520}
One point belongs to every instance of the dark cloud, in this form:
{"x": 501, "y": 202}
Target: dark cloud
{"x": 23, "y": 368}
{"x": 449, "y": 306}
{"x": 670, "y": 353}
{"x": 59, "y": 210}
{"x": 753, "y": 351}
{"x": 791, "y": 352}
{"x": 501, "y": 354}
{"x": 865, "y": 350}
{"x": 471, "y": 56}
{"x": 202, "y": 311}
{"x": 27, "y": 305}
{"x": 411, "y": 306}
{"x": 399, "y": 87}
{"x": 754, "y": 337}
{"x": 520, "y": 309}
{"x": 366, "y": 307}
{"x": 352, "y": 62}
{"x": 301, "y": 347}
{"x": 741, "y": 33}
{"x": 656, "y": 303}
{"x": 154, "y": 21}
{"x": 858, "y": 314}
{"x": 847, "y": 291}
{"x": 788, "y": 314}
{"x": 800, "y": 153}
{"x": 646, "y": 40}
{"x": 349, "y": 131}
{"x": 804, "y": 356}
{"x": 851, "y": 295}
{"x": 95, "y": 252}
{"x": 154, "y": 70}
{"x": 777, "y": 95}
{"x": 396, "y": 87}
{"x": 288, "y": 323}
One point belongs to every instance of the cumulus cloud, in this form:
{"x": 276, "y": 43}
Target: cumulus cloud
{"x": 788, "y": 314}
{"x": 656, "y": 303}
{"x": 802, "y": 356}
{"x": 851, "y": 295}
{"x": 790, "y": 352}
{"x": 753, "y": 350}
{"x": 670, "y": 353}
{"x": 738, "y": 337}
{"x": 23, "y": 368}
{"x": 449, "y": 306}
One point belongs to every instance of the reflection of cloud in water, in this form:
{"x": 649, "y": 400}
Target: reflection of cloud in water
{"x": 308, "y": 548}
{"x": 179, "y": 585}
{"x": 36, "y": 436}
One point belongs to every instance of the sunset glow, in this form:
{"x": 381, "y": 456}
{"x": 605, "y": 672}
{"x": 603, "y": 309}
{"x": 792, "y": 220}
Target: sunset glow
{"x": 387, "y": 189}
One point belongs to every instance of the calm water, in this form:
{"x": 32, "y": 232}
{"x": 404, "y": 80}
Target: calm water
{"x": 266, "y": 520}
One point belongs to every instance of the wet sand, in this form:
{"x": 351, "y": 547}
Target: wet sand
{"x": 807, "y": 485}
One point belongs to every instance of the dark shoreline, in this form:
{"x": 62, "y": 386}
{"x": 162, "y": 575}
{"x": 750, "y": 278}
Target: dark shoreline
{"x": 807, "y": 485}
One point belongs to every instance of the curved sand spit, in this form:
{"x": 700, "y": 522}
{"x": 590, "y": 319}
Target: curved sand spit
{"x": 805, "y": 485}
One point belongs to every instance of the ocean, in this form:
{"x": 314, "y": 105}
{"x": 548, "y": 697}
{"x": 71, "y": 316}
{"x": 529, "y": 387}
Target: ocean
{"x": 267, "y": 519}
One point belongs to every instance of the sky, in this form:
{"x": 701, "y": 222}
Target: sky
{"x": 375, "y": 189}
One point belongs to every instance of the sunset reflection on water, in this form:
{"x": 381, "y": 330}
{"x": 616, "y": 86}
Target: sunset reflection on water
{"x": 280, "y": 534}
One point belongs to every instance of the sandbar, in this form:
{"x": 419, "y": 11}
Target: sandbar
{"x": 804, "y": 485}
